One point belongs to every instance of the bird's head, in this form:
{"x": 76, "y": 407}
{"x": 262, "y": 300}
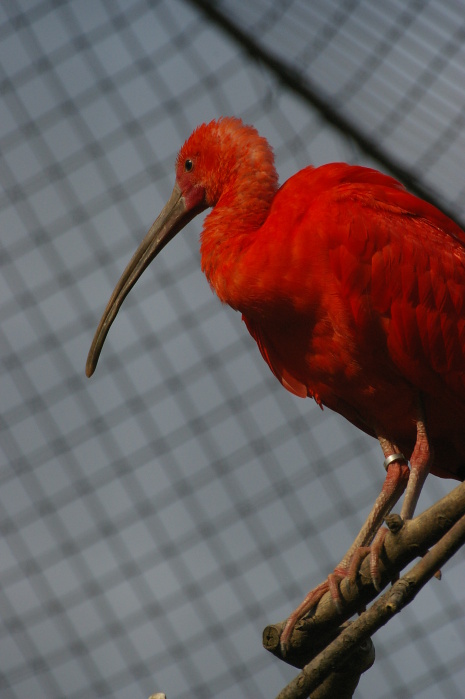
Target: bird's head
{"x": 219, "y": 158}
{"x": 210, "y": 167}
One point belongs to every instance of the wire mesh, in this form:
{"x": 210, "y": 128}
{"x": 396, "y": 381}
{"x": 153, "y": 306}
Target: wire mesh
{"x": 156, "y": 518}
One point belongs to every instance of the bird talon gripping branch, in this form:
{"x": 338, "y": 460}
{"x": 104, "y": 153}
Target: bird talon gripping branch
{"x": 352, "y": 288}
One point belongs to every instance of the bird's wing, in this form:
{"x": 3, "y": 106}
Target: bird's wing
{"x": 408, "y": 260}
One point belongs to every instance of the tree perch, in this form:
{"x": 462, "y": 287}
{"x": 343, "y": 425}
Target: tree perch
{"x": 319, "y": 645}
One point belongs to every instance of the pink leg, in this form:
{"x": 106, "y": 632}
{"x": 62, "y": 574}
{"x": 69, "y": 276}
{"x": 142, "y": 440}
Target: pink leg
{"x": 397, "y": 475}
{"x": 420, "y": 464}
{"x": 393, "y": 487}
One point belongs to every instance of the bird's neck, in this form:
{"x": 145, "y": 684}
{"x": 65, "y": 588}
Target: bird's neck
{"x": 231, "y": 228}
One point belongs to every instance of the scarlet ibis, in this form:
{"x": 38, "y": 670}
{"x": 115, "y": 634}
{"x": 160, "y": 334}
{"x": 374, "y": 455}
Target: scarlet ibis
{"x": 353, "y": 289}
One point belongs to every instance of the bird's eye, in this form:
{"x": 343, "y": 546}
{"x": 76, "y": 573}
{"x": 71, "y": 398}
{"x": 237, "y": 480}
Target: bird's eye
{"x": 188, "y": 165}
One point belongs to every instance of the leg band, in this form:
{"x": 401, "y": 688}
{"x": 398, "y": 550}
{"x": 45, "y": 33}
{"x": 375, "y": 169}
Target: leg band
{"x": 392, "y": 458}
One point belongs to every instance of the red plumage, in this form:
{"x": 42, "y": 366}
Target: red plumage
{"x": 353, "y": 289}
{"x": 375, "y": 283}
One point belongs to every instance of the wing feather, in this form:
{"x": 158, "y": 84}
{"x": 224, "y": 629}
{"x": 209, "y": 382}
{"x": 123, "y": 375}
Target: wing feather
{"x": 417, "y": 270}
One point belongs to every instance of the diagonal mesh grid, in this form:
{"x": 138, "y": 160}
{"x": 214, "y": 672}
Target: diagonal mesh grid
{"x": 156, "y": 518}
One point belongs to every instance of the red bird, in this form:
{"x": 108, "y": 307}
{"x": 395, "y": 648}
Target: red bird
{"x": 353, "y": 289}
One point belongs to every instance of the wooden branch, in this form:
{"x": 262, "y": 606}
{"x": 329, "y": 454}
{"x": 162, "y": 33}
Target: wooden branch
{"x": 313, "y": 633}
{"x": 387, "y": 606}
{"x": 343, "y": 680}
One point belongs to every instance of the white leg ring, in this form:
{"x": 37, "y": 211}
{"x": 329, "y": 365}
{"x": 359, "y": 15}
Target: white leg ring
{"x": 394, "y": 457}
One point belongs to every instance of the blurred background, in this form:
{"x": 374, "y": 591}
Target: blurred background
{"x": 156, "y": 518}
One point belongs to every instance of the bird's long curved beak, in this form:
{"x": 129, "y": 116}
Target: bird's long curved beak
{"x": 173, "y": 217}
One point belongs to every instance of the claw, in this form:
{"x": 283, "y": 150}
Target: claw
{"x": 356, "y": 561}
{"x": 375, "y": 554}
{"x": 310, "y": 601}
{"x": 333, "y": 586}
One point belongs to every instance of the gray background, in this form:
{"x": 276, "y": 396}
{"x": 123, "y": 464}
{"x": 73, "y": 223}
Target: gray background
{"x": 155, "y": 518}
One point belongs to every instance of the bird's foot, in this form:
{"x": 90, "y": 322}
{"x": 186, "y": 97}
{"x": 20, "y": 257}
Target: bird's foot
{"x": 394, "y": 524}
{"x": 331, "y": 585}
{"x": 374, "y": 552}
{"x": 375, "y": 555}
{"x": 397, "y": 475}
{"x": 310, "y": 601}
